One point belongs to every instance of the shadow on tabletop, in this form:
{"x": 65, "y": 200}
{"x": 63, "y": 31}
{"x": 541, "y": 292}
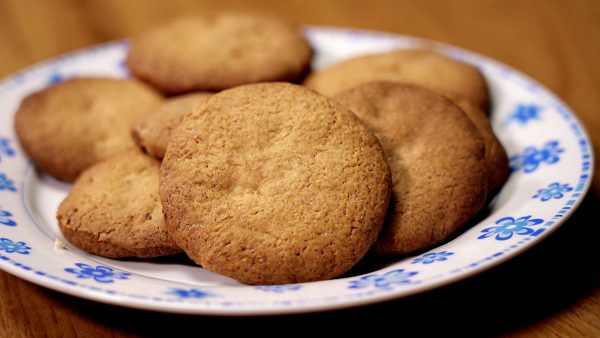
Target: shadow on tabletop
{"x": 550, "y": 277}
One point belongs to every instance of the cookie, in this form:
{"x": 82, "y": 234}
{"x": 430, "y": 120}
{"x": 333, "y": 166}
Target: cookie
{"x": 113, "y": 209}
{"x": 273, "y": 183}
{"x": 496, "y": 160}
{"x": 70, "y": 126}
{"x": 421, "y": 67}
{"x": 212, "y": 52}
{"x": 152, "y": 130}
{"x": 436, "y": 157}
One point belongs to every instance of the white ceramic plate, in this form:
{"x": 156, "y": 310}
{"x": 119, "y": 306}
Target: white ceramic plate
{"x": 550, "y": 155}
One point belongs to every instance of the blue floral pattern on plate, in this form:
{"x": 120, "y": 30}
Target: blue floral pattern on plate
{"x": 281, "y": 288}
{"x": 554, "y": 190}
{"x": 5, "y": 148}
{"x": 55, "y": 78}
{"x": 509, "y": 226}
{"x": 384, "y": 281}
{"x": 524, "y": 113}
{"x": 9, "y": 246}
{"x": 100, "y": 273}
{"x": 190, "y": 293}
{"x": 6, "y": 183}
{"x": 432, "y": 257}
{"x": 5, "y": 218}
{"x": 531, "y": 158}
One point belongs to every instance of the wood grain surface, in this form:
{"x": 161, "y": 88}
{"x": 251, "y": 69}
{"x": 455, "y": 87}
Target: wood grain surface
{"x": 551, "y": 290}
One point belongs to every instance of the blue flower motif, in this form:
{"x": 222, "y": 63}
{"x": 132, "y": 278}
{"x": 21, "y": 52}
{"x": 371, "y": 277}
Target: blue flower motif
{"x": 5, "y": 218}
{"x": 431, "y": 257}
{"x": 190, "y": 293}
{"x": 279, "y": 288}
{"x": 10, "y": 246}
{"x": 524, "y": 113}
{"x": 554, "y": 190}
{"x": 5, "y": 148}
{"x": 6, "y": 183}
{"x": 507, "y": 226}
{"x": 55, "y": 78}
{"x": 385, "y": 281}
{"x": 101, "y": 274}
{"x": 531, "y": 158}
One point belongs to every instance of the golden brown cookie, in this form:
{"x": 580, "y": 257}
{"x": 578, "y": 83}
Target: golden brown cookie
{"x": 70, "y": 126}
{"x": 114, "y": 210}
{"x": 152, "y": 129}
{"x": 273, "y": 183}
{"x": 437, "y": 160}
{"x": 421, "y": 67}
{"x": 212, "y": 52}
{"x": 496, "y": 160}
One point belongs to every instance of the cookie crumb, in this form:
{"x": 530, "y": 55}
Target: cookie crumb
{"x": 59, "y": 245}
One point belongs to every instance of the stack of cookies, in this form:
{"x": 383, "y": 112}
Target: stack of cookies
{"x": 214, "y": 151}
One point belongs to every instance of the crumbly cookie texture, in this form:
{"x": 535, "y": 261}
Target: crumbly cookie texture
{"x": 273, "y": 183}
{"x": 436, "y": 157}
{"x": 152, "y": 129}
{"x": 72, "y": 125}
{"x": 113, "y": 209}
{"x": 213, "y": 52}
{"x": 421, "y": 67}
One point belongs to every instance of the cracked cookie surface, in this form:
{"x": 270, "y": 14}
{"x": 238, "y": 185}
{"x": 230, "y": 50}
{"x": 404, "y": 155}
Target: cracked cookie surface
{"x": 273, "y": 183}
{"x": 420, "y": 67}
{"x": 436, "y": 157}
{"x": 72, "y": 125}
{"x": 152, "y": 129}
{"x": 212, "y": 52}
{"x": 113, "y": 209}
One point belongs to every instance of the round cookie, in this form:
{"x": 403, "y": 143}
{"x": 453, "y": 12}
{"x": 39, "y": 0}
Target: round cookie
{"x": 436, "y": 157}
{"x": 70, "y": 126}
{"x": 496, "y": 160}
{"x": 273, "y": 183}
{"x": 113, "y": 209}
{"x": 421, "y": 67}
{"x": 212, "y": 52}
{"x": 152, "y": 130}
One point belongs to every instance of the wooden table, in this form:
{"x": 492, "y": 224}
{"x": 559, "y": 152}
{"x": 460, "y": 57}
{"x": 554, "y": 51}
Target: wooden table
{"x": 551, "y": 290}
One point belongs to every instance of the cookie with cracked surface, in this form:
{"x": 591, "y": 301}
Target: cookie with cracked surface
{"x": 496, "y": 160}
{"x": 421, "y": 67}
{"x": 113, "y": 209}
{"x": 152, "y": 130}
{"x": 436, "y": 157}
{"x": 72, "y": 125}
{"x": 273, "y": 183}
{"x": 212, "y": 52}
